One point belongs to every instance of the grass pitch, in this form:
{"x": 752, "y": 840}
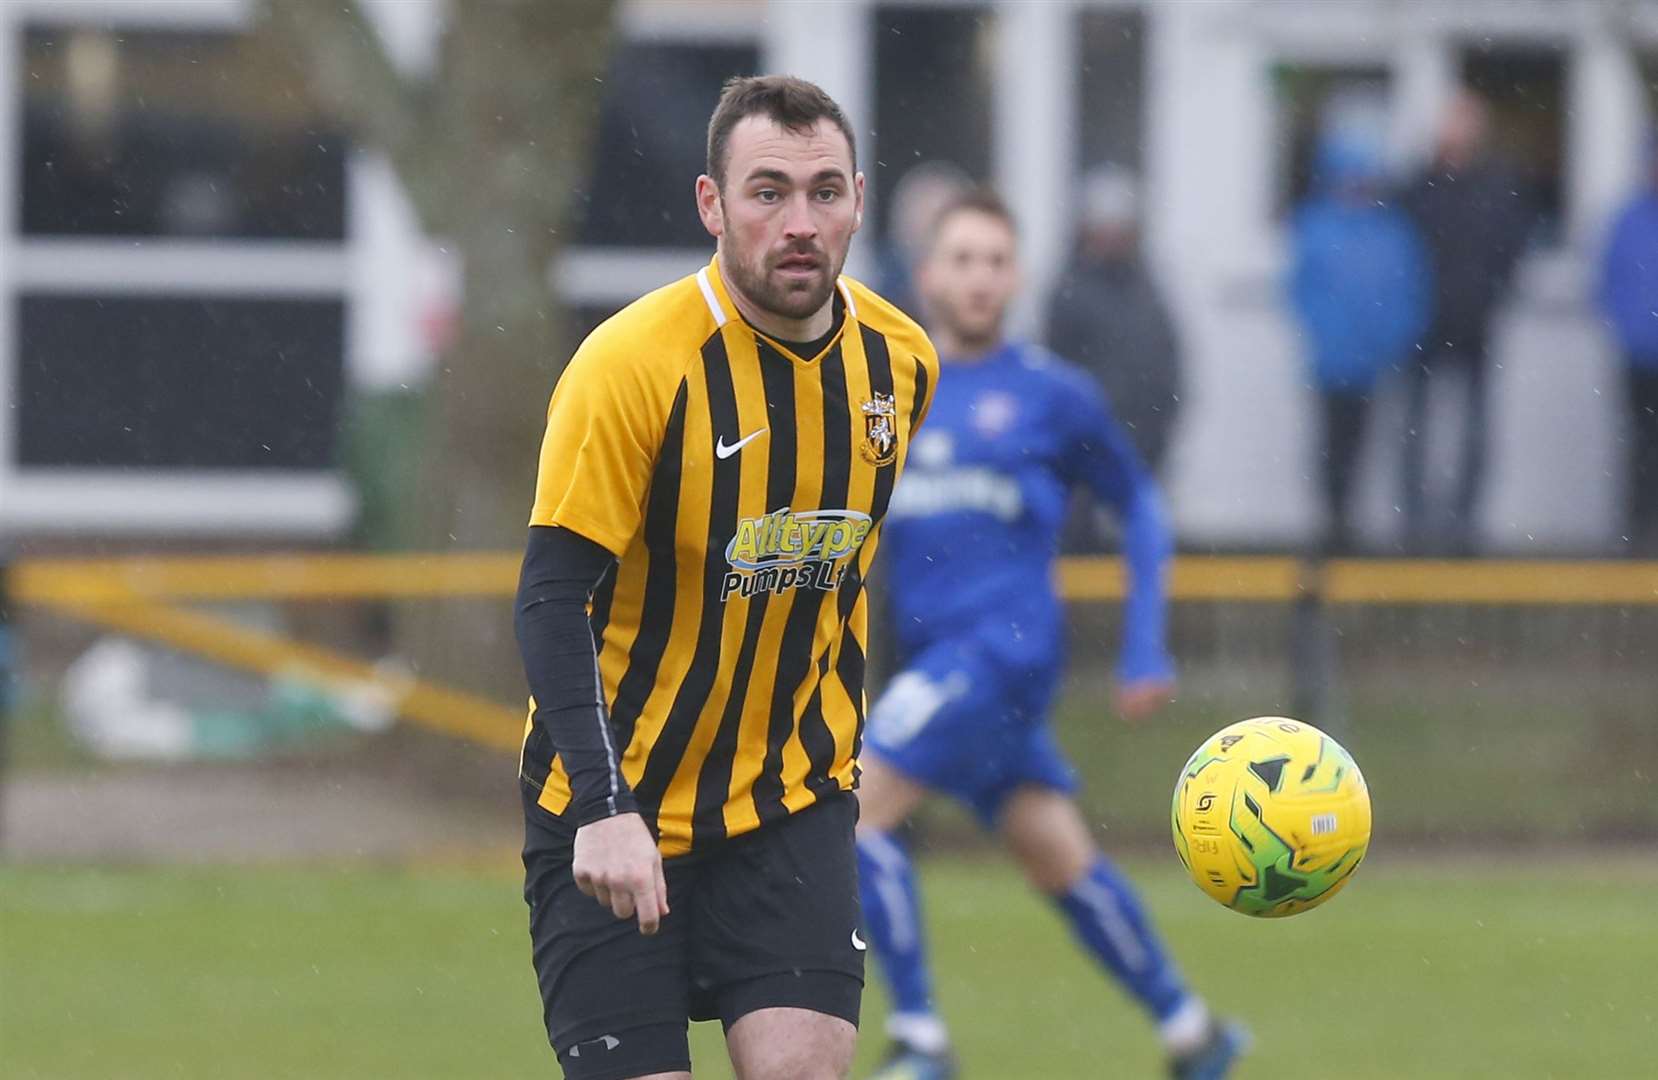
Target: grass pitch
{"x": 1441, "y": 968}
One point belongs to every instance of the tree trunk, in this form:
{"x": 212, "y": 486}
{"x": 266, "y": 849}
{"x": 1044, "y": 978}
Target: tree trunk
{"x": 490, "y": 149}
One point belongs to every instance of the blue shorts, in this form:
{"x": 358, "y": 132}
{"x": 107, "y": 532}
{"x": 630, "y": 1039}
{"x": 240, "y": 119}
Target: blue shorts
{"x": 961, "y": 723}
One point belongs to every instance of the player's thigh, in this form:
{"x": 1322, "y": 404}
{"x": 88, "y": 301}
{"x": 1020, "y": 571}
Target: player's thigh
{"x": 615, "y": 1002}
{"x": 776, "y": 916}
{"x": 1047, "y": 833}
{"x": 791, "y": 1044}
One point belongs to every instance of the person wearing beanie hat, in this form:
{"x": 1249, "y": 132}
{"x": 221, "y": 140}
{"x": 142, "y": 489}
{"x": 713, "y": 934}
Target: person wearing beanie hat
{"x": 1108, "y": 315}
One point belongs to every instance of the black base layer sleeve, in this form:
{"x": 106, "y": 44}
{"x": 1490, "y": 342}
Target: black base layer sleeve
{"x": 555, "y": 639}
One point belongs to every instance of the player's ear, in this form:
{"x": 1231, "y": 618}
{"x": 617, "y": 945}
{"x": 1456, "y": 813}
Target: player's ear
{"x": 709, "y": 207}
{"x": 857, "y": 201}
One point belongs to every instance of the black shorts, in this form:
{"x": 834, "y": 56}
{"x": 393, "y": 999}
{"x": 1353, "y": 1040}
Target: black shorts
{"x": 767, "y": 919}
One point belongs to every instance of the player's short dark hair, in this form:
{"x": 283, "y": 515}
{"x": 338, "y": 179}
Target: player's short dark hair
{"x": 974, "y": 200}
{"x": 793, "y": 104}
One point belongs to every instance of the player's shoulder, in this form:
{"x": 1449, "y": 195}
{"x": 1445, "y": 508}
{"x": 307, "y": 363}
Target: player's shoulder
{"x": 904, "y": 335}
{"x": 656, "y": 335}
{"x": 1054, "y": 373}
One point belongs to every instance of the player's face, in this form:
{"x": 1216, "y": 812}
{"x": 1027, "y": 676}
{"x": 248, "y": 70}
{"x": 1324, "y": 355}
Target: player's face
{"x": 970, "y": 276}
{"x": 786, "y": 215}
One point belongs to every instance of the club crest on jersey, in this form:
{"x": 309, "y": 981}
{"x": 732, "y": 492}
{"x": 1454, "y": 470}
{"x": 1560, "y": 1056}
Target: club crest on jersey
{"x": 880, "y": 445}
{"x": 994, "y": 413}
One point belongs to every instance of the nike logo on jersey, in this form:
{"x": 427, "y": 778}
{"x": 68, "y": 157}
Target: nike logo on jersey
{"x": 858, "y": 942}
{"x": 722, "y": 451}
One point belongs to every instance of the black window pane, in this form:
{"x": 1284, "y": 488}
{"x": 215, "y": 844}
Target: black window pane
{"x": 165, "y": 382}
{"x": 1647, "y": 64}
{"x": 1111, "y": 45}
{"x": 653, "y": 128}
{"x": 586, "y": 318}
{"x": 1526, "y": 89}
{"x": 934, "y": 94}
{"x": 163, "y": 133}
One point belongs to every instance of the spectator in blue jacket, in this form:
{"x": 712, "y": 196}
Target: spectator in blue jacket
{"x": 1360, "y": 288}
{"x": 1629, "y": 297}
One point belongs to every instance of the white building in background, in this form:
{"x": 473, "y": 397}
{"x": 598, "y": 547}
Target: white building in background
{"x": 1207, "y": 100}
{"x": 1214, "y": 121}
{"x": 145, "y": 241}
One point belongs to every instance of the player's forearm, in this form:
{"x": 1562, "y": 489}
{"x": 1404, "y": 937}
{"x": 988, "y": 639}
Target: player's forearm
{"x": 555, "y": 639}
{"x": 1147, "y": 547}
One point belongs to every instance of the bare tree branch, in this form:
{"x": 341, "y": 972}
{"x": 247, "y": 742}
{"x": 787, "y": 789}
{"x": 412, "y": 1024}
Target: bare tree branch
{"x": 519, "y": 101}
{"x": 490, "y": 148}
{"x": 355, "y": 79}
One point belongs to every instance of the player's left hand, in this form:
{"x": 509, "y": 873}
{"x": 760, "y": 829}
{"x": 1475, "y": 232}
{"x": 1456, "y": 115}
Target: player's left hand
{"x": 1143, "y": 698}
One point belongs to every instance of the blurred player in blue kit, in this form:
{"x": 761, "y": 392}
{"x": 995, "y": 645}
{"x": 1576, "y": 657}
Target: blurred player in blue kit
{"x": 971, "y": 538}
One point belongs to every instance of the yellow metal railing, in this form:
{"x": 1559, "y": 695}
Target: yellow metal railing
{"x": 140, "y": 597}
{"x": 54, "y": 582}
{"x": 1517, "y": 582}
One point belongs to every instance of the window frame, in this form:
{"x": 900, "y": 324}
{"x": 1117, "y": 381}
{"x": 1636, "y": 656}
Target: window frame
{"x": 115, "y": 501}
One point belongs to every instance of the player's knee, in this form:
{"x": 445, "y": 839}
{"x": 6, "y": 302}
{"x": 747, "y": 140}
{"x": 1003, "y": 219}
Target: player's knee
{"x": 792, "y": 1043}
{"x": 1049, "y": 838}
{"x": 1053, "y": 880}
{"x": 1046, "y": 870}
{"x": 813, "y": 1062}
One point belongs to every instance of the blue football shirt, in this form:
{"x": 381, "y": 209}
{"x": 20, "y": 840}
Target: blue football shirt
{"x": 974, "y": 525}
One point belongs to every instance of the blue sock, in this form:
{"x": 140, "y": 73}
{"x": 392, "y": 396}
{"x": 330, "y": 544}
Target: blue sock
{"x": 1106, "y": 915}
{"x": 892, "y": 918}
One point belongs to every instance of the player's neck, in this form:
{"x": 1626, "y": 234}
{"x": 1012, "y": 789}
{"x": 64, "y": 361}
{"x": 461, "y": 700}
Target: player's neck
{"x": 778, "y": 326}
{"x": 958, "y": 349}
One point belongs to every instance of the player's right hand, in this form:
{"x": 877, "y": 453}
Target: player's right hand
{"x": 1143, "y": 698}
{"x": 617, "y": 863}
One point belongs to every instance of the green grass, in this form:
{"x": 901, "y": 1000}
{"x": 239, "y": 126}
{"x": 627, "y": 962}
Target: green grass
{"x": 1504, "y": 764}
{"x": 1444, "y": 968}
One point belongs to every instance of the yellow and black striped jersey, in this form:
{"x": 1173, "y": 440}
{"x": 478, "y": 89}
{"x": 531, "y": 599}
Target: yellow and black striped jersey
{"x": 742, "y": 489}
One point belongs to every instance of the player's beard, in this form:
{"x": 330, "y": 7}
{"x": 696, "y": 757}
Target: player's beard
{"x": 753, "y": 277}
{"x": 973, "y": 332}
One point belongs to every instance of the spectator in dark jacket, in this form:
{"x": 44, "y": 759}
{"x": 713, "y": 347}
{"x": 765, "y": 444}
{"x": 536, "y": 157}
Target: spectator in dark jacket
{"x": 1476, "y": 220}
{"x": 1359, "y": 285}
{"x": 1629, "y": 297}
{"x": 1108, "y": 315}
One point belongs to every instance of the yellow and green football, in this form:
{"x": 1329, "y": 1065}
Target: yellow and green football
{"x": 1271, "y": 817}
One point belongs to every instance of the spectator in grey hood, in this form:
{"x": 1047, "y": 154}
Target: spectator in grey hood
{"x": 1107, "y": 315}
